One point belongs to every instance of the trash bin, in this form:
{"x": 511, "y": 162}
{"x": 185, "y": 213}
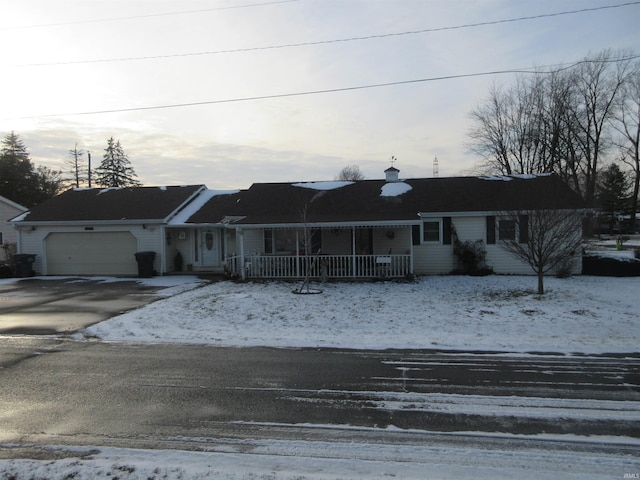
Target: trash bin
{"x": 145, "y": 263}
{"x": 23, "y": 263}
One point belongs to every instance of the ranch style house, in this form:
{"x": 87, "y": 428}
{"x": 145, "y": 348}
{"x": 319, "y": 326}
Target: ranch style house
{"x": 387, "y": 228}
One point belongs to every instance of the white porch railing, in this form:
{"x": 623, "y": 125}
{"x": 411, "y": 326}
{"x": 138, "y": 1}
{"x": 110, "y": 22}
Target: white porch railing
{"x": 333, "y": 266}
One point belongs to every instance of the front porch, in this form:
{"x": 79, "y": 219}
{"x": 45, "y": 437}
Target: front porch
{"x": 321, "y": 266}
{"x": 293, "y": 252}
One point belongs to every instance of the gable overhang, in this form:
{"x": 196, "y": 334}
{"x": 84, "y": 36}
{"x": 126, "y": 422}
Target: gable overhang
{"x": 13, "y": 204}
{"x": 184, "y": 204}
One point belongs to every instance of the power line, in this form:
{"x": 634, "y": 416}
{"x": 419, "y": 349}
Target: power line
{"x": 150, "y": 15}
{"x": 332, "y": 90}
{"x": 340, "y": 40}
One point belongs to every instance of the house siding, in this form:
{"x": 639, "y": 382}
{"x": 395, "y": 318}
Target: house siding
{"x": 253, "y": 241}
{"x": 32, "y": 241}
{"x": 9, "y": 234}
{"x": 432, "y": 259}
{"x": 149, "y": 240}
{"x": 337, "y": 241}
{"x": 398, "y": 245}
{"x": 502, "y": 262}
{"x": 438, "y": 259}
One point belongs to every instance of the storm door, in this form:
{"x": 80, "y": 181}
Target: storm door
{"x": 210, "y": 247}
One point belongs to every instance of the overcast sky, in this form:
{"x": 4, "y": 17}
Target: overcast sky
{"x": 62, "y": 59}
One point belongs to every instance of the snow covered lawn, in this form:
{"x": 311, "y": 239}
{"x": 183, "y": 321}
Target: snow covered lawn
{"x": 576, "y": 315}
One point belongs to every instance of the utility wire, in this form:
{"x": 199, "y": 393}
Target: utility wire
{"x": 150, "y": 15}
{"x": 332, "y": 90}
{"x": 340, "y": 40}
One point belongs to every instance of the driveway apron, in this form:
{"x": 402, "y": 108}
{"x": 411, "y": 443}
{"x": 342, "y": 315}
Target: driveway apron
{"x": 46, "y": 306}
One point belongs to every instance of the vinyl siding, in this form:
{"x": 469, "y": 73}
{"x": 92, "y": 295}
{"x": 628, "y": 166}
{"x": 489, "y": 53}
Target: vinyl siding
{"x": 475, "y": 228}
{"x": 432, "y": 259}
{"x": 253, "y": 241}
{"x": 9, "y": 234}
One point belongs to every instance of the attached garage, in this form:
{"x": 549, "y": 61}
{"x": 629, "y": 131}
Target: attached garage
{"x": 91, "y": 253}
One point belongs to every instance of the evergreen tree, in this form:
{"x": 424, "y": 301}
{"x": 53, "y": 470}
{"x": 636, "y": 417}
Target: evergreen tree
{"x": 17, "y": 176}
{"x": 115, "y": 169}
{"x": 20, "y": 180}
{"x": 613, "y": 193}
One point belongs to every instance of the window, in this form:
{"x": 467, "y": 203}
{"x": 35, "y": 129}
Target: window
{"x": 431, "y": 231}
{"x": 507, "y": 230}
{"x": 364, "y": 241}
{"x": 268, "y": 241}
{"x": 284, "y": 241}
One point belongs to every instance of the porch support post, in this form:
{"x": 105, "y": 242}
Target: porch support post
{"x": 298, "y": 252}
{"x": 410, "y": 249}
{"x": 163, "y": 250}
{"x": 243, "y": 271}
{"x": 353, "y": 251}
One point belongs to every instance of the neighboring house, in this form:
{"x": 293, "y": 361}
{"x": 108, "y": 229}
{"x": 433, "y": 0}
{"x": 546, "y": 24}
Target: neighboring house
{"x": 8, "y": 210}
{"x": 363, "y": 229}
{"x": 93, "y": 231}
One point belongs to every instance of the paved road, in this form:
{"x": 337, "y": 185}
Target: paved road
{"x": 64, "y": 392}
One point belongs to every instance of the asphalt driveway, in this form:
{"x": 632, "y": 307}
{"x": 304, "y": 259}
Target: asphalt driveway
{"x": 49, "y": 306}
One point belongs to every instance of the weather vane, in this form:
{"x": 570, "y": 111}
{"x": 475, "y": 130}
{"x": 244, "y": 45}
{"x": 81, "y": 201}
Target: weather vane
{"x": 393, "y": 160}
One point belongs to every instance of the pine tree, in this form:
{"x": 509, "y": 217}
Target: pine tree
{"x": 20, "y": 180}
{"x": 613, "y": 193}
{"x": 17, "y": 177}
{"x": 115, "y": 169}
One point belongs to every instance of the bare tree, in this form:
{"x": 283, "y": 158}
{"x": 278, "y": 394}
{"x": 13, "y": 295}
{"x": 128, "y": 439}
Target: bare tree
{"x": 598, "y": 82}
{"x": 490, "y": 136}
{"x": 628, "y": 126}
{"x": 76, "y": 167}
{"x": 545, "y": 239}
{"x": 351, "y": 173}
{"x": 519, "y": 130}
{"x": 558, "y": 122}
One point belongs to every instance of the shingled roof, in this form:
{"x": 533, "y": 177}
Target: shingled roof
{"x": 361, "y": 201}
{"x": 112, "y": 204}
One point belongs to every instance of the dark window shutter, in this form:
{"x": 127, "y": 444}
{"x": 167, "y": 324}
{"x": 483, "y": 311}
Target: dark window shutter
{"x": 523, "y": 221}
{"x": 415, "y": 234}
{"x": 491, "y": 230}
{"x": 446, "y": 230}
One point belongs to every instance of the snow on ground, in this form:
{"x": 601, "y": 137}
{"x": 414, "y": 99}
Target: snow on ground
{"x": 580, "y": 314}
{"x": 317, "y": 460}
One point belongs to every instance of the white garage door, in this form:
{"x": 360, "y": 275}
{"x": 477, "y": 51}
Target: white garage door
{"x": 91, "y": 253}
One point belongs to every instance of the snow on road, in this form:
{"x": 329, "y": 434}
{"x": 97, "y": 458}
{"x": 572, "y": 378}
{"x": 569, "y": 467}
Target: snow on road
{"x": 503, "y": 313}
{"x": 318, "y": 460}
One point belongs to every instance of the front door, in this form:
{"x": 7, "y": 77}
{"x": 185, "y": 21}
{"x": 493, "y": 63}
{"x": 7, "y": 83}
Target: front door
{"x": 210, "y": 247}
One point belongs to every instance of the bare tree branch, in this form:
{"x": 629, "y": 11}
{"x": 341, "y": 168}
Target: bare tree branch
{"x": 551, "y": 239}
